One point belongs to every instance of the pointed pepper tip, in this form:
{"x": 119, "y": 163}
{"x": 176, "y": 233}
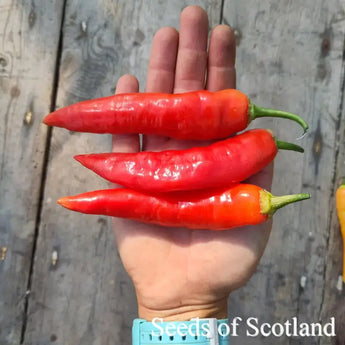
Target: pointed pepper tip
{"x": 82, "y": 159}
{"x": 46, "y": 120}
{"x": 78, "y": 158}
{"x": 64, "y": 202}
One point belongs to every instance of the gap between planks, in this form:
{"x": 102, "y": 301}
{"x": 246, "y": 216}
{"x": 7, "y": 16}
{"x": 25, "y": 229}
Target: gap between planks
{"x": 334, "y": 177}
{"x": 44, "y": 172}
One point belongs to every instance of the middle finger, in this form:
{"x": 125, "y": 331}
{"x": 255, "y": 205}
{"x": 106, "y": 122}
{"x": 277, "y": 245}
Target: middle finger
{"x": 192, "y": 50}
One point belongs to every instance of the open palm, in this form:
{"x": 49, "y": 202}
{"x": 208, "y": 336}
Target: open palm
{"x": 179, "y": 273}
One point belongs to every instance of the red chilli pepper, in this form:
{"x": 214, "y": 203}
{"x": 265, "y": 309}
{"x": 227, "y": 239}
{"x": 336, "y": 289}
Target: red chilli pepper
{"x": 217, "y": 165}
{"x": 214, "y": 209}
{"x": 197, "y": 115}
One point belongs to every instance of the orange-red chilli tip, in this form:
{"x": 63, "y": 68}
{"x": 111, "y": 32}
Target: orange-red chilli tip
{"x": 64, "y": 202}
{"x": 46, "y": 120}
{"x": 54, "y": 119}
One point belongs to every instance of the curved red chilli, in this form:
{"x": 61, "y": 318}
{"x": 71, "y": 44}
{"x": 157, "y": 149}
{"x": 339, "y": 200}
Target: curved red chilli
{"x": 216, "y": 209}
{"x": 220, "y": 164}
{"x": 195, "y": 115}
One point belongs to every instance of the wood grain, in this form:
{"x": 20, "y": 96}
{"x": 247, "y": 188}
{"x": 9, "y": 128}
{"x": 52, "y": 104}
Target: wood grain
{"x": 290, "y": 56}
{"x": 87, "y": 298}
{"x": 27, "y": 65}
{"x": 333, "y": 299}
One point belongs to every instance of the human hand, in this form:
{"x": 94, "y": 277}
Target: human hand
{"x": 178, "y": 273}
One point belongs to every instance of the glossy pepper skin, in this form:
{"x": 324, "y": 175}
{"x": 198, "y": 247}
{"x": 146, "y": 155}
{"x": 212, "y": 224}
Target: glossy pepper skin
{"x": 220, "y": 164}
{"x": 340, "y": 205}
{"x": 214, "y": 209}
{"x": 197, "y": 115}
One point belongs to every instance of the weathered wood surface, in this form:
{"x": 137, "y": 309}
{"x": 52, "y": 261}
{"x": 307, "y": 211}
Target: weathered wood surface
{"x": 290, "y": 56}
{"x": 29, "y": 35}
{"x": 87, "y": 298}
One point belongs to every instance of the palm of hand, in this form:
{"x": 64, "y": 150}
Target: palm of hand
{"x": 180, "y": 273}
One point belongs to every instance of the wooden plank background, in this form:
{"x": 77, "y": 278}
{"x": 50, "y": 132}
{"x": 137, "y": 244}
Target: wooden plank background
{"x": 27, "y": 81}
{"x": 53, "y": 53}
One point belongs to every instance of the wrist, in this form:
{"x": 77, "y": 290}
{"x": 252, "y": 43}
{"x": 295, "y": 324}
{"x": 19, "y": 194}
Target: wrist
{"x": 216, "y": 310}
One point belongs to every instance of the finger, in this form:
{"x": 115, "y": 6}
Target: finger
{"x": 192, "y": 50}
{"x": 161, "y": 71}
{"x": 126, "y": 142}
{"x": 221, "y": 73}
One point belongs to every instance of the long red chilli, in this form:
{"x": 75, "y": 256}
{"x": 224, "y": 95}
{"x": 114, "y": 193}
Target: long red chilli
{"x": 220, "y": 164}
{"x": 214, "y": 209}
{"x": 197, "y": 115}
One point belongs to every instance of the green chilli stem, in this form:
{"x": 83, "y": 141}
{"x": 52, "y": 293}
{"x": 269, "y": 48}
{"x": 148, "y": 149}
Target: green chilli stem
{"x": 269, "y": 203}
{"x": 283, "y": 145}
{"x": 256, "y": 111}
{"x": 278, "y": 202}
